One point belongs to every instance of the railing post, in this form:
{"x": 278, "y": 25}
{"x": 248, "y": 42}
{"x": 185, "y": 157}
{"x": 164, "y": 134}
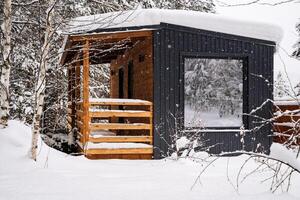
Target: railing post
{"x": 85, "y": 93}
{"x": 151, "y": 123}
{"x": 77, "y": 95}
{"x": 77, "y": 81}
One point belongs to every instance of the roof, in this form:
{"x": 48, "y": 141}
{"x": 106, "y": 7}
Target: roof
{"x": 194, "y": 19}
{"x": 105, "y": 46}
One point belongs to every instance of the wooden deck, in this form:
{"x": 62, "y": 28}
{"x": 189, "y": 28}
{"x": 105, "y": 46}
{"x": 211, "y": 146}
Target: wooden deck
{"x": 287, "y": 122}
{"x": 108, "y": 128}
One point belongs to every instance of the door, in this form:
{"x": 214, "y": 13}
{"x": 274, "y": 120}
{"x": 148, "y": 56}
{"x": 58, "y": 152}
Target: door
{"x": 121, "y": 90}
{"x": 130, "y": 80}
{"x": 121, "y": 83}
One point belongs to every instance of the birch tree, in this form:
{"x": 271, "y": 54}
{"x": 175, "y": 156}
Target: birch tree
{"x": 40, "y": 85}
{"x": 6, "y": 65}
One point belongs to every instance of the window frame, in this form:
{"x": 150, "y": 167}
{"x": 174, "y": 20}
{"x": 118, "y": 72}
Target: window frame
{"x": 245, "y": 94}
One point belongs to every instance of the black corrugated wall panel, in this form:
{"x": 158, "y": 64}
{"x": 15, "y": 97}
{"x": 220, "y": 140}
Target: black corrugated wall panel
{"x": 171, "y": 43}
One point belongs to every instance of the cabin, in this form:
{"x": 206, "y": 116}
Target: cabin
{"x": 172, "y": 73}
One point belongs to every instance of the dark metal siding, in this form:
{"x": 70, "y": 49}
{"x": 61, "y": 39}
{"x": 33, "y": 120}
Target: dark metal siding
{"x": 171, "y": 44}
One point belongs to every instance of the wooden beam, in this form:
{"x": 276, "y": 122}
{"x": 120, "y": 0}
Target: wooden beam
{"x": 85, "y": 92}
{"x": 68, "y": 45}
{"x": 110, "y": 36}
{"x": 77, "y": 80}
{"x": 120, "y": 156}
{"x": 120, "y": 113}
{"x": 120, "y": 126}
{"x": 288, "y": 118}
{"x": 120, "y": 103}
{"x": 121, "y": 139}
{"x": 287, "y": 107}
{"x": 151, "y": 123}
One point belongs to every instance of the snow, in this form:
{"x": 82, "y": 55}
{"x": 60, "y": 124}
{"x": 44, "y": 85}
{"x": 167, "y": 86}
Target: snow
{"x": 101, "y": 133}
{"x": 287, "y": 155}
{"x": 287, "y": 102}
{"x": 209, "y": 119}
{"x": 182, "y": 143}
{"x": 105, "y": 100}
{"x": 127, "y": 145}
{"x": 120, "y": 111}
{"x": 214, "y": 130}
{"x": 57, "y": 176}
{"x": 199, "y": 20}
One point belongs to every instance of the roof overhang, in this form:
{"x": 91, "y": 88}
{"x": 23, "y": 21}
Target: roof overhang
{"x": 105, "y": 40}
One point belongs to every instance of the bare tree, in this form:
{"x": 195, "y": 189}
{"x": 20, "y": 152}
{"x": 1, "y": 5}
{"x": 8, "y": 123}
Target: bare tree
{"x": 40, "y": 85}
{"x": 6, "y": 66}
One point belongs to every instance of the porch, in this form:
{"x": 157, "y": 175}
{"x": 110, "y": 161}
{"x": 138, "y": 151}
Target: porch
{"x": 121, "y": 125}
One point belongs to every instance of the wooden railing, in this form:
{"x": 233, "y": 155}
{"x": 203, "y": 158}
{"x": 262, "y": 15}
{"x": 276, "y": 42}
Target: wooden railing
{"x": 126, "y": 121}
{"x": 287, "y": 122}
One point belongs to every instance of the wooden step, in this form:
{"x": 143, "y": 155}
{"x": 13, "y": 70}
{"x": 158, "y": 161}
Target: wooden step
{"x": 120, "y": 126}
{"x": 120, "y": 139}
{"x": 120, "y": 151}
{"x": 120, "y": 113}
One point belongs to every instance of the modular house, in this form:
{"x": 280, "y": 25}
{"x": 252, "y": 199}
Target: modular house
{"x": 172, "y": 73}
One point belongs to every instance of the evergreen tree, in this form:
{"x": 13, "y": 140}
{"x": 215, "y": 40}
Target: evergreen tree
{"x": 297, "y": 55}
{"x": 214, "y": 83}
{"x": 297, "y": 45}
{"x": 281, "y": 88}
{"x": 297, "y": 90}
{"x": 196, "y": 5}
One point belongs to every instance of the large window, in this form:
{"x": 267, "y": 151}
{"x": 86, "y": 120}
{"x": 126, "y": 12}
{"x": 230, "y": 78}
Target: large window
{"x": 213, "y": 92}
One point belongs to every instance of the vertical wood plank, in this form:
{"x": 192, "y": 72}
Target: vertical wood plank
{"x": 72, "y": 95}
{"x": 77, "y": 81}
{"x": 85, "y": 91}
{"x": 77, "y": 92}
{"x": 69, "y": 115}
{"x": 151, "y": 122}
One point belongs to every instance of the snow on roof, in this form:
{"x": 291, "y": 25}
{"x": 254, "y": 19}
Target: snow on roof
{"x": 194, "y": 19}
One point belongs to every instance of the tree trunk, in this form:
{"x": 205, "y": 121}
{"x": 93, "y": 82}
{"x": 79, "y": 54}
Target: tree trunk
{"x": 41, "y": 83}
{"x": 5, "y": 68}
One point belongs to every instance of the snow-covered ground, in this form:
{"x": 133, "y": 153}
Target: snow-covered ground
{"x": 209, "y": 118}
{"x": 60, "y": 176}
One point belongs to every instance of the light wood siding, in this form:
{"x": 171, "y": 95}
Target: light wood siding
{"x": 142, "y": 71}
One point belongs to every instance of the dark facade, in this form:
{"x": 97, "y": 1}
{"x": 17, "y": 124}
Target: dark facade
{"x": 171, "y": 45}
